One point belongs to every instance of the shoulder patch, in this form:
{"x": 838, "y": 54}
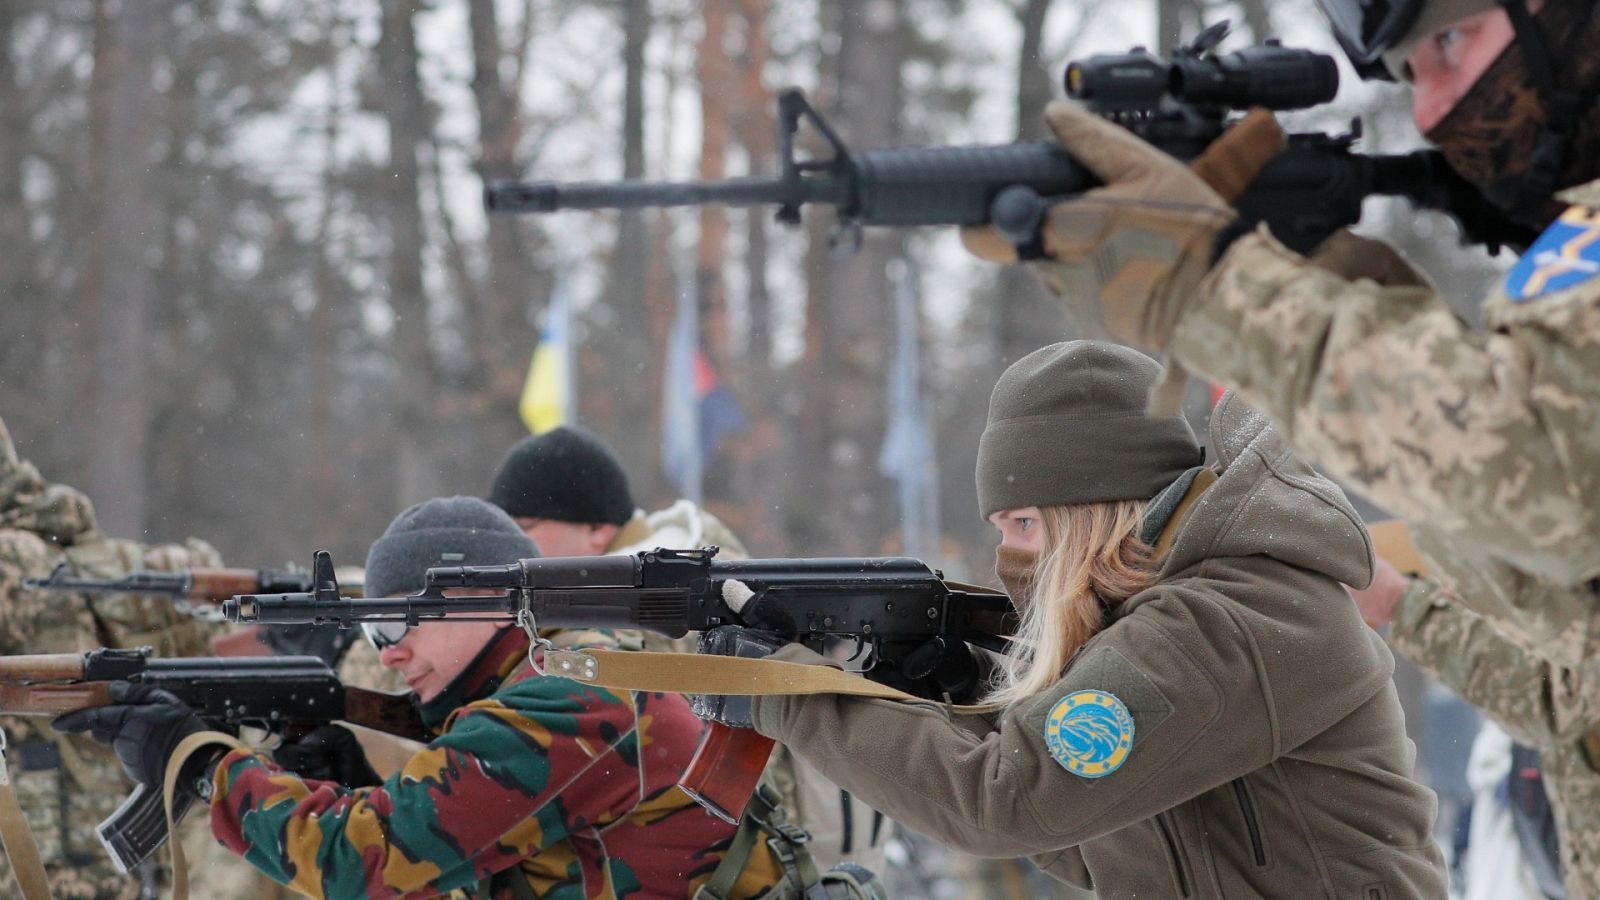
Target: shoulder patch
{"x": 1090, "y": 733}
{"x": 1568, "y": 253}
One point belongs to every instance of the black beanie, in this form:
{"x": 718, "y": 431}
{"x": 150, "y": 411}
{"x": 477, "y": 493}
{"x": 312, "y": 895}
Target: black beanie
{"x": 565, "y": 474}
{"x": 1067, "y": 425}
{"x": 446, "y": 531}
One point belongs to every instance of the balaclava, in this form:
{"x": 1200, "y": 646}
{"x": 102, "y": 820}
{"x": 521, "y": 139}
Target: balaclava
{"x": 1496, "y": 131}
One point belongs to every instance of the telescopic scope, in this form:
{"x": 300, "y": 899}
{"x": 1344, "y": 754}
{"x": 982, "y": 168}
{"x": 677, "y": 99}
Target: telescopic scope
{"x": 1274, "y": 77}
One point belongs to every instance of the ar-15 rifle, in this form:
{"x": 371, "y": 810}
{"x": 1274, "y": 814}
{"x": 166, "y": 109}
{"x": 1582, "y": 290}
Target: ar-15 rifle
{"x": 1311, "y": 189}
{"x": 906, "y": 623}
{"x": 283, "y": 694}
{"x": 201, "y": 591}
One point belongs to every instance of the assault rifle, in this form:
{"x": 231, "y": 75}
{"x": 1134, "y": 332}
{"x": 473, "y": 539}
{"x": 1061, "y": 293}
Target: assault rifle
{"x": 906, "y": 625}
{"x": 201, "y": 591}
{"x": 1311, "y": 189}
{"x": 287, "y": 695}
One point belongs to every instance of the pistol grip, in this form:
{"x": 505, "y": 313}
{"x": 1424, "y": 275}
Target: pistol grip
{"x": 139, "y": 827}
{"x": 725, "y": 769}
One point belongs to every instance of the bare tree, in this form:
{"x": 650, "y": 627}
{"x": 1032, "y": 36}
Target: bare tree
{"x": 409, "y": 130}
{"x": 850, "y": 294}
{"x": 127, "y": 42}
{"x": 621, "y": 356}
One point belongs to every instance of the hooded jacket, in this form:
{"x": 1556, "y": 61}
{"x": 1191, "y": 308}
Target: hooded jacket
{"x": 1232, "y": 732}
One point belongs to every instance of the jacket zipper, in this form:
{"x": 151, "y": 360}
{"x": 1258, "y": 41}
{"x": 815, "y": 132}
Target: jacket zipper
{"x": 1169, "y": 835}
{"x": 1247, "y": 809}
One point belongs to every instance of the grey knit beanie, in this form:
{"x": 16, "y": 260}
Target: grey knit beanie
{"x": 446, "y": 531}
{"x": 1067, "y": 425}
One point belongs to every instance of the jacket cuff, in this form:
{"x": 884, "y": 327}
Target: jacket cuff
{"x": 767, "y": 712}
{"x": 1421, "y": 597}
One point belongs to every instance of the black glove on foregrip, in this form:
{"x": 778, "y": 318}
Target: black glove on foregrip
{"x": 734, "y": 711}
{"x": 329, "y": 753}
{"x": 142, "y": 726}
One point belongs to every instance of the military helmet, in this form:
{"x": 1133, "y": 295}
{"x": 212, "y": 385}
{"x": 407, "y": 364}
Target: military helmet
{"x": 1378, "y": 35}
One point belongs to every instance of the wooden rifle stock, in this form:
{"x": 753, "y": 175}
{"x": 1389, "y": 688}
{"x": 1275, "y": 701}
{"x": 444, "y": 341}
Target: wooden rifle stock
{"x": 725, "y": 769}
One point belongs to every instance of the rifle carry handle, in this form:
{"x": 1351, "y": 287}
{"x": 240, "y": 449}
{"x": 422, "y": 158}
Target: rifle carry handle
{"x": 725, "y": 769}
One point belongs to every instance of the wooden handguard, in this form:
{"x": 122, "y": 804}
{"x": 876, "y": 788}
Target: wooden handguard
{"x": 217, "y": 585}
{"x": 725, "y": 769}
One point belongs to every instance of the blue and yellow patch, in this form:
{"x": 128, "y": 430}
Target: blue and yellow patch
{"x": 1090, "y": 733}
{"x": 1568, "y": 253}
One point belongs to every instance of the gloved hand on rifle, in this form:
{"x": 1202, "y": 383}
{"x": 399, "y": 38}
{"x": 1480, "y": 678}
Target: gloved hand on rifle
{"x": 1129, "y": 255}
{"x": 143, "y": 726}
{"x": 734, "y": 711}
{"x": 329, "y": 753}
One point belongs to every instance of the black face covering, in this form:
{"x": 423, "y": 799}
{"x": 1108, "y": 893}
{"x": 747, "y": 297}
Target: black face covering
{"x": 1496, "y": 132}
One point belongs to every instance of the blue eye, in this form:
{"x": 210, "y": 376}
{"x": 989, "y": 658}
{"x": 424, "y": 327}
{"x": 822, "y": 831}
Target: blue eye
{"x": 1024, "y": 523}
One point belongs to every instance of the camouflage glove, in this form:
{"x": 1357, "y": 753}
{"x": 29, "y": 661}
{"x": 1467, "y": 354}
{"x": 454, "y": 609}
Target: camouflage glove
{"x": 1128, "y": 256}
{"x": 329, "y": 753}
{"x": 143, "y": 727}
{"x": 735, "y": 711}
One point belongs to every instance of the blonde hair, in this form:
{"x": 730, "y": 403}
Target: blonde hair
{"x": 1093, "y": 558}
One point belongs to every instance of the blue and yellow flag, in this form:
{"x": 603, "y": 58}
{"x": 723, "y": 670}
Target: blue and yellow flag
{"x": 547, "y": 394}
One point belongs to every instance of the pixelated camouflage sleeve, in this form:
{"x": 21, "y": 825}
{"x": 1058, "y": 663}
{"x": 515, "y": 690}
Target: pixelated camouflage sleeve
{"x": 1490, "y": 435}
{"x": 504, "y": 781}
{"x": 1536, "y": 701}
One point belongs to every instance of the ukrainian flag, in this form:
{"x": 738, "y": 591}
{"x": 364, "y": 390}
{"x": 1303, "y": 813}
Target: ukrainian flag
{"x": 547, "y": 394}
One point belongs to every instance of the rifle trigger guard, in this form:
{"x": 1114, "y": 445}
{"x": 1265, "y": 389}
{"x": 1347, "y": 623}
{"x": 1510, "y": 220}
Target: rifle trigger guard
{"x": 524, "y": 619}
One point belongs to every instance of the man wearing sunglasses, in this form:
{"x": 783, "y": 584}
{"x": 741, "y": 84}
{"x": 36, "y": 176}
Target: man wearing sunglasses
{"x": 534, "y": 786}
{"x": 570, "y": 494}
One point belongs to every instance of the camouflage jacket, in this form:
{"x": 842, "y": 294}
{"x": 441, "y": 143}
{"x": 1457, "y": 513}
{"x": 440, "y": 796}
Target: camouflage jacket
{"x": 1538, "y": 702}
{"x": 67, "y": 785}
{"x": 842, "y": 827}
{"x": 1491, "y": 435}
{"x": 573, "y": 786}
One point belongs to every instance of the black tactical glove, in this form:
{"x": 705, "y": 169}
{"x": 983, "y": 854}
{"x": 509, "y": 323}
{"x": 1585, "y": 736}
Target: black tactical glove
{"x": 945, "y": 668}
{"x": 330, "y": 753}
{"x": 733, "y": 640}
{"x": 143, "y": 727}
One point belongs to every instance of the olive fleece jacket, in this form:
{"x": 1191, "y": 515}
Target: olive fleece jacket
{"x": 1235, "y": 724}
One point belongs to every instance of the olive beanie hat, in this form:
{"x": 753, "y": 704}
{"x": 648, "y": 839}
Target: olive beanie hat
{"x": 1067, "y": 425}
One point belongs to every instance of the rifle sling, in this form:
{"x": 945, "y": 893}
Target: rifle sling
{"x": 187, "y": 748}
{"x": 690, "y": 673}
{"x": 20, "y": 849}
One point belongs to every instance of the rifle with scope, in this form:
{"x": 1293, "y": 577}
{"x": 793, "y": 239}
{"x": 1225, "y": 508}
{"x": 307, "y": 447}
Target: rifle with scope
{"x": 1311, "y": 189}
{"x": 200, "y": 592}
{"x": 907, "y": 625}
{"x": 288, "y": 695}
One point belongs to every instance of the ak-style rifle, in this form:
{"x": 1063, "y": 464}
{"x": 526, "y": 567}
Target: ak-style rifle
{"x": 1311, "y": 189}
{"x": 906, "y": 624}
{"x": 201, "y": 591}
{"x": 287, "y": 695}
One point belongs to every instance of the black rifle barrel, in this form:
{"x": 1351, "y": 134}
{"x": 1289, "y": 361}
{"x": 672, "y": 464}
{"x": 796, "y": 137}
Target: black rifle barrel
{"x": 306, "y": 609}
{"x": 550, "y": 196}
{"x": 174, "y": 584}
{"x": 901, "y": 186}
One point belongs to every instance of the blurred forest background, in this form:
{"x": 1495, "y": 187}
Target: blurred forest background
{"x": 248, "y": 291}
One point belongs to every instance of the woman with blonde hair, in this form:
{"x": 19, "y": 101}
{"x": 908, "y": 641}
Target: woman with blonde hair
{"x": 1193, "y": 707}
